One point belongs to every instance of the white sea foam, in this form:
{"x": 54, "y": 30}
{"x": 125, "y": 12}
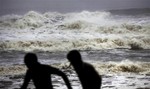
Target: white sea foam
{"x": 86, "y": 30}
{"x": 123, "y": 67}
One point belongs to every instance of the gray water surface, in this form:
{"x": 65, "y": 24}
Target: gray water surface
{"x": 16, "y": 57}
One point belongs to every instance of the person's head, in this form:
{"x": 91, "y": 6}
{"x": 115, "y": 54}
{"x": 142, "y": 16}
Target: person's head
{"x": 30, "y": 60}
{"x": 74, "y": 57}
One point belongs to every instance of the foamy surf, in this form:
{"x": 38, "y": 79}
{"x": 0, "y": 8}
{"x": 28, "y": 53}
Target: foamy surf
{"x": 47, "y": 34}
{"x": 111, "y": 67}
{"x": 86, "y": 30}
{"x": 120, "y": 68}
{"x": 121, "y": 75}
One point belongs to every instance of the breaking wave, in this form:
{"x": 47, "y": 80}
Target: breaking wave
{"x": 86, "y": 30}
{"x": 35, "y": 19}
{"x": 124, "y": 66}
{"x": 83, "y": 44}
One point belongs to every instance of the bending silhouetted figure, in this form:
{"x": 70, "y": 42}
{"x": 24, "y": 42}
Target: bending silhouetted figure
{"x": 40, "y": 74}
{"x": 88, "y": 76}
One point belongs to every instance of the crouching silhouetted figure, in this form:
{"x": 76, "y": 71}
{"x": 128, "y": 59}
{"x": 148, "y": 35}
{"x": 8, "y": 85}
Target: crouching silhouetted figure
{"x": 40, "y": 74}
{"x": 88, "y": 76}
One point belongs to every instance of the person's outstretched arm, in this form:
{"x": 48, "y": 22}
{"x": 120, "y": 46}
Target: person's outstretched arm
{"x": 66, "y": 80}
{"x": 60, "y": 73}
{"x": 26, "y": 80}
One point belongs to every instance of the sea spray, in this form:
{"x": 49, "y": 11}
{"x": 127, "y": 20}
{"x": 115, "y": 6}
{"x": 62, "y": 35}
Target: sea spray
{"x": 81, "y": 44}
{"x": 86, "y": 30}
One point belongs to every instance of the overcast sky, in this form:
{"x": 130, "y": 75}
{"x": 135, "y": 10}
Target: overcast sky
{"x": 23, "y": 6}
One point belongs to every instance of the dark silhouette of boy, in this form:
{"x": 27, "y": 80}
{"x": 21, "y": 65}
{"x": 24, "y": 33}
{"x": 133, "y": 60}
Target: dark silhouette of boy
{"x": 88, "y": 76}
{"x": 40, "y": 74}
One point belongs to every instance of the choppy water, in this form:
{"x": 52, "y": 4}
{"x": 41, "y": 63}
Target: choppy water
{"x": 85, "y": 30}
{"x": 104, "y": 38}
{"x": 120, "y": 68}
{"x": 103, "y": 59}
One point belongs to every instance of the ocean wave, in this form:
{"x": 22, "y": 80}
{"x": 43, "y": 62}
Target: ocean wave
{"x": 85, "y": 30}
{"x": 36, "y": 20}
{"x": 123, "y": 67}
{"x": 81, "y": 44}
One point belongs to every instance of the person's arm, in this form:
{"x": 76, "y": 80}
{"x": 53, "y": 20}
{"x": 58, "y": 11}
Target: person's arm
{"x": 60, "y": 73}
{"x": 66, "y": 80}
{"x": 26, "y": 80}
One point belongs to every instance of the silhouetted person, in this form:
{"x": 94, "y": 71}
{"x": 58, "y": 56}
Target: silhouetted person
{"x": 88, "y": 76}
{"x": 40, "y": 74}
